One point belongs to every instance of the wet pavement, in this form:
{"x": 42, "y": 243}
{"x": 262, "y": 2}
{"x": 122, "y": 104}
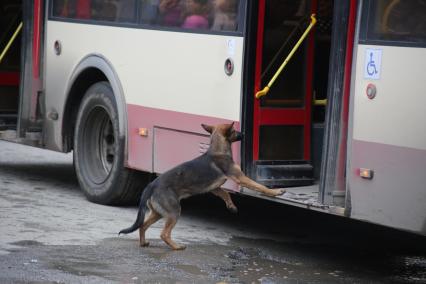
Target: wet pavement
{"x": 49, "y": 233}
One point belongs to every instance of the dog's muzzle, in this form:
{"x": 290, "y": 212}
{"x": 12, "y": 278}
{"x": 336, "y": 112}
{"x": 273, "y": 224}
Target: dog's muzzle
{"x": 238, "y": 136}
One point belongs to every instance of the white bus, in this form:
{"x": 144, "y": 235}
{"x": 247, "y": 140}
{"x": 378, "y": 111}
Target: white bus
{"x": 125, "y": 85}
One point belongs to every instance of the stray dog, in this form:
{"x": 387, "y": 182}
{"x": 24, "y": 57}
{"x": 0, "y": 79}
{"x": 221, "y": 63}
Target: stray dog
{"x": 203, "y": 174}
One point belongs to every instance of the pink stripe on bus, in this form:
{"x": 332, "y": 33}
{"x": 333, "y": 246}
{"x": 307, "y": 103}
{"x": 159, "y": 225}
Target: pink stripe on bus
{"x": 173, "y": 128}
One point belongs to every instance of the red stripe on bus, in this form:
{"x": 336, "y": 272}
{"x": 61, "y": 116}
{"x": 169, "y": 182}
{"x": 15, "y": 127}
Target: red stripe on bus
{"x": 9, "y": 78}
{"x": 36, "y": 38}
{"x": 308, "y": 96}
{"x": 257, "y": 79}
{"x": 278, "y": 117}
{"x": 141, "y": 148}
{"x": 346, "y": 94}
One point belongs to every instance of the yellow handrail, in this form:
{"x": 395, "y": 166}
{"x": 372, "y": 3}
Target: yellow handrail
{"x": 265, "y": 90}
{"x": 320, "y": 102}
{"x": 18, "y": 29}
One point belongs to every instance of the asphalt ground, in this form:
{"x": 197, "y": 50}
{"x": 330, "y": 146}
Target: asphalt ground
{"x": 49, "y": 233}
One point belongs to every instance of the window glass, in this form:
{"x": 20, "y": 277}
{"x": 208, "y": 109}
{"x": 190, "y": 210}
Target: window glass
{"x": 217, "y": 15}
{"x": 11, "y": 15}
{"x": 203, "y": 15}
{"x": 395, "y": 21}
{"x": 101, "y": 10}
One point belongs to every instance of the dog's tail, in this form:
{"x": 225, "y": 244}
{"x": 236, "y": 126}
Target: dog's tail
{"x": 142, "y": 210}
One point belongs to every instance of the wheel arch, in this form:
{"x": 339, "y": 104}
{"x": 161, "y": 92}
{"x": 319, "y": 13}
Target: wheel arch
{"x": 90, "y": 70}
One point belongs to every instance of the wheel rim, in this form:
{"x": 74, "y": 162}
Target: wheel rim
{"x": 107, "y": 144}
{"x": 99, "y": 144}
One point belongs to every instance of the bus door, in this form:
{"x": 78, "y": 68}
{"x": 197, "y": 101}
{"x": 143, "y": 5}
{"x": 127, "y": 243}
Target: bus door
{"x": 31, "y": 110}
{"x": 10, "y": 47}
{"x": 20, "y": 76}
{"x": 282, "y": 118}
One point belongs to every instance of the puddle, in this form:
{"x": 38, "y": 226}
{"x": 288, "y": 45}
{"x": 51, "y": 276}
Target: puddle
{"x": 27, "y": 243}
{"x": 192, "y": 269}
{"x": 243, "y": 260}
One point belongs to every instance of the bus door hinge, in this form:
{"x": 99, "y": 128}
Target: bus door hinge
{"x": 40, "y": 109}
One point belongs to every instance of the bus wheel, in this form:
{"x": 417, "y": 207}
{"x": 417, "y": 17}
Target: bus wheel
{"x": 99, "y": 151}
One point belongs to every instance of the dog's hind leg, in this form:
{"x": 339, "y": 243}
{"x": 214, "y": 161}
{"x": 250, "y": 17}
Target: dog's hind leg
{"x": 152, "y": 218}
{"x": 225, "y": 196}
{"x": 166, "y": 234}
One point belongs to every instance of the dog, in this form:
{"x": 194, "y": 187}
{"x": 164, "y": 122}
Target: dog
{"x": 203, "y": 174}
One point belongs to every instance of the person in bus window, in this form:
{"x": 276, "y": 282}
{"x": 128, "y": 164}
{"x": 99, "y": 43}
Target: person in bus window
{"x": 197, "y": 14}
{"x": 126, "y": 11}
{"x": 149, "y": 11}
{"x": 79, "y": 9}
{"x": 170, "y": 13}
{"x": 225, "y": 15}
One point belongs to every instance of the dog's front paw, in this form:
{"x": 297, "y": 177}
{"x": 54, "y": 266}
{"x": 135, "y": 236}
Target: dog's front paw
{"x": 276, "y": 192}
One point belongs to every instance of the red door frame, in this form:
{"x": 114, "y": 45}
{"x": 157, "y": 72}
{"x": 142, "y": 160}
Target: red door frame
{"x": 282, "y": 116}
{"x": 36, "y": 83}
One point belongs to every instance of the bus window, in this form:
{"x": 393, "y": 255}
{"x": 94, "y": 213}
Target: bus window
{"x": 98, "y": 10}
{"x": 216, "y": 15}
{"x": 399, "y": 21}
{"x": 200, "y": 15}
{"x": 225, "y": 15}
{"x": 78, "y": 9}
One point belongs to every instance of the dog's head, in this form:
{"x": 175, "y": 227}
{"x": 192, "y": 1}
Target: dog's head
{"x": 225, "y": 130}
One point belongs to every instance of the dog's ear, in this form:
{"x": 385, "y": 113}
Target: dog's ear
{"x": 229, "y": 128}
{"x": 207, "y": 128}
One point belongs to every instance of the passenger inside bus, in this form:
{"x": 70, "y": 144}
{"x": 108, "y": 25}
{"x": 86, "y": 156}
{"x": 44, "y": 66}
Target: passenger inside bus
{"x": 218, "y": 15}
{"x": 197, "y": 13}
{"x": 225, "y": 15}
{"x": 170, "y": 13}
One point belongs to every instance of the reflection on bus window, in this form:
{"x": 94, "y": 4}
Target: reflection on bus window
{"x": 149, "y": 11}
{"x": 197, "y": 13}
{"x": 397, "y": 20}
{"x": 100, "y": 10}
{"x": 170, "y": 13}
{"x": 214, "y": 15}
{"x": 225, "y": 15}
{"x": 217, "y": 15}
{"x": 77, "y": 9}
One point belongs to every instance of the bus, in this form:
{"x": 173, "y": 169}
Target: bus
{"x": 126, "y": 84}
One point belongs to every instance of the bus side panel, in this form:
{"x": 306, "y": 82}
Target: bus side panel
{"x": 171, "y": 72}
{"x": 170, "y": 138}
{"x": 396, "y": 196}
{"x": 389, "y": 138}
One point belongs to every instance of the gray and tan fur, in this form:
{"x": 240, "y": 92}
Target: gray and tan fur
{"x": 203, "y": 174}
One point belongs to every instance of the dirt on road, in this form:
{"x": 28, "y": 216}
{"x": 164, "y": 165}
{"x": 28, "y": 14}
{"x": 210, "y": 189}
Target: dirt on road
{"x": 49, "y": 233}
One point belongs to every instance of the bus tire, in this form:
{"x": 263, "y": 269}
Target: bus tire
{"x": 99, "y": 151}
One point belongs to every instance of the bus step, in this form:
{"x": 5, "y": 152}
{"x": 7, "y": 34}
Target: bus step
{"x": 7, "y": 125}
{"x": 284, "y": 173}
{"x": 33, "y": 135}
{"x": 9, "y": 135}
{"x": 290, "y": 182}
{"x": 7, "y": 121}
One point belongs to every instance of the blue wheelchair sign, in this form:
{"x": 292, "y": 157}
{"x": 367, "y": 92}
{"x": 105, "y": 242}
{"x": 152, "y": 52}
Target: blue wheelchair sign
{"x": 373, "y": 61}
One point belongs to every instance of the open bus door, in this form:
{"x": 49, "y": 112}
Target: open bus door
{"x": 282, "y": 118}
{"x": 299, "y": 128}
{"x": 21, "y": 84}
{"x": 10, "y": 58}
